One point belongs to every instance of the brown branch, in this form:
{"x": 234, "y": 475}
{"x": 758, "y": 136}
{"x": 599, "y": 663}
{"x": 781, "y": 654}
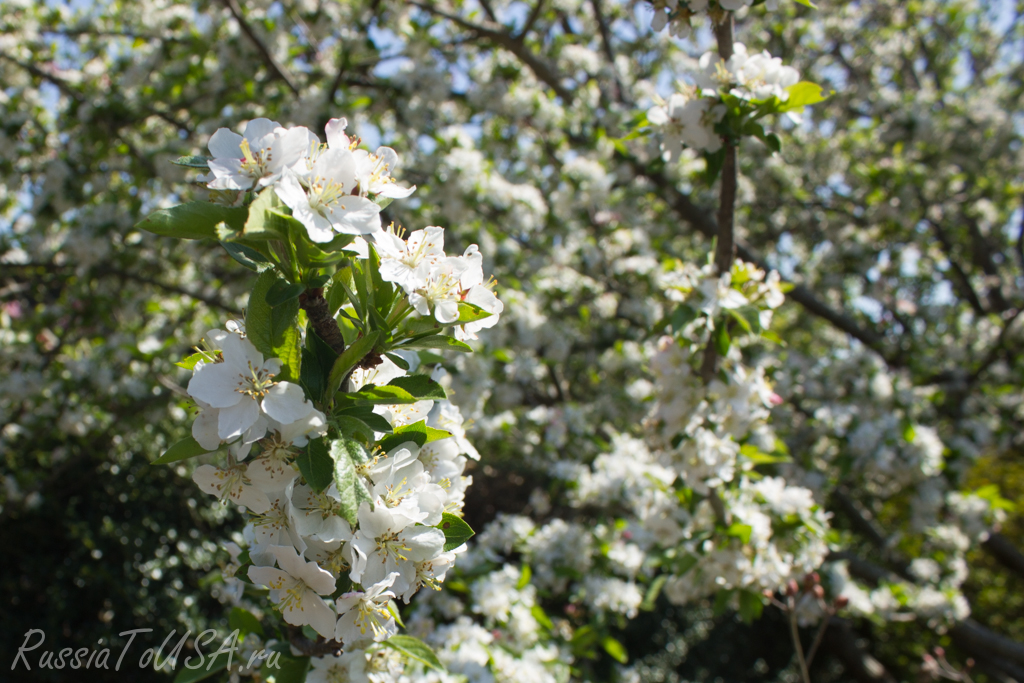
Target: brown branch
{"x": 532, "y": 19}
{"x": 606, "y": 48}
{"x": 962, "y": 279}
{"x": 972, "y": 634}
{"x": 725, "y": 249}
{"x": 315, "y": 305}
{"x": 841, "y": 640}
{"x": 167, "y": 287}
{"x": 705, "y": 224}
{"x": 513, "y": 44}
{"x": 1001, "y": 548}
{"x": 268, "y": 56}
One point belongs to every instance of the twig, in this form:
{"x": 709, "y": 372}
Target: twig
{"x": 817, "y": 639}
{"x": 794, "y": 632}
{"x": 268, "y": 56}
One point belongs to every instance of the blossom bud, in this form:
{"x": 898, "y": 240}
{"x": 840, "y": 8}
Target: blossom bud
{"x": 940, "y": 652}
{"x": 792, "y": 588}
{"x": 819, "y": 592}
{"x": 842, "y": 601}
{"x": 768, "y": 593}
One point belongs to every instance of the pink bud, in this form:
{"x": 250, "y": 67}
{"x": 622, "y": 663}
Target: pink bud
{"x": 775, "y": 399}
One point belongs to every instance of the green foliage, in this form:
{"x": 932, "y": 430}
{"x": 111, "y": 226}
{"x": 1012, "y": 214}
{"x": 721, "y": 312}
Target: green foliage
{"x": 415, "y": 649}
{"x": 316, "y": 464}
{"x": 348, "y": 454}
{"x": 184, "y": 449}
{"x": 273, "y": 330}
{"x": 456, "y": 531}
{"x": 192, "y": 221}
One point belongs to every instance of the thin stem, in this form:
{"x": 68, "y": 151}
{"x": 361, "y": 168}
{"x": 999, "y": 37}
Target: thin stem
{"x": 725, "y": 243}
{"x": 795, "y": 633}
{"x": 725, "y": 249}
{"x": 817, "y": 639}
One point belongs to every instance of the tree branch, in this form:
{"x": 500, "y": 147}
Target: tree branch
{"x": 1001, "y": 548}
{"x": 515, "y": 45}
{"x": 705, "y": 224}
{"x": 268, "y": 56}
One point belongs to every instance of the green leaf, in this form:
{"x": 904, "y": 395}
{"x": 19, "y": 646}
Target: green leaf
{"x": 651, "y": 596}
{"x": 317, "y": 360}
{"x": 346, "y": 454}
{"x": 289, "y": 670}
{"x": 420, "y": 386}
{"x": 721, "y": 339}
{"x": 909, "y": 433}
{"x": 722, "y": 599}
{"x": 365, "y": 414}
{"x": 738, "y": 317}
{"x": 398, "y": 360}
{"x": 615, "y": 649}
{"x": 759, "y": 457}
{"x": 273, "y": 330}
{"x": 183, "y": 450}
{"x": 353, "y": 428}
{"x": 524, "y": 577}
{"x": 437, "y": 341}
{"x": 316, "y": 465}
{"x": 538, "y": 613}
{"x": 801, "y": 95}
{"x": 416, "y": 649}
{"x": 243, "y": 621}
{"x": 806, "y": 3}
{"x": 342, "y": 290}
{"x": 396, "y": 613}
{"x": 190, "y": 362}
{"x": 259, "y": 315}
{"x": 740, "y": 531}
{"x": 283, "y": 291}
{"x": 418, "y": 432}
{"x": 469, "y": 313}
{"x": 751, "y": 606}
{"x": 193, "y": 161}
{"x": 205, "y": 668}
{"x": 372, "y": 395}
{"x": 247, "y": 256}
{"x": 349, "y": 359}
{"x": 192, "y": 221}
{"x": 714, "y": 161}
{"x": 262, "y": 222}
{"x": 682, "y": 316}
{"x": 456, "y": 531}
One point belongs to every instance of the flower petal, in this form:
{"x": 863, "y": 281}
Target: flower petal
{"x": 234, "y": 420}
{"x": 286, "y": 403}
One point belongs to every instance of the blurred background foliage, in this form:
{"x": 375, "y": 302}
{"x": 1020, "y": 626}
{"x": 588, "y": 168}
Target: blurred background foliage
{"x": 895, "y": 205}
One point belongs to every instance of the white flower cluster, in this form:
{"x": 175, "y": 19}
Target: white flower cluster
{"x": 393, "y": 550}
{"x": 752, "y": 77}
{"x": 679, "y": 15}
{"x": 688, "y": 117}
{"x": 894, "y": 455}
{"x": 435, "y": 281}
{"x": 704, "y": 442}
{"x": 338, "y": 188}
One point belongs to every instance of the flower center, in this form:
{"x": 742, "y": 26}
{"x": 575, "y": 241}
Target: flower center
{"x": 324, "y": 194}
{"x": 292, "y": 597}
{"x": 257, "y": 384}
{"x": 255, "y": 164}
